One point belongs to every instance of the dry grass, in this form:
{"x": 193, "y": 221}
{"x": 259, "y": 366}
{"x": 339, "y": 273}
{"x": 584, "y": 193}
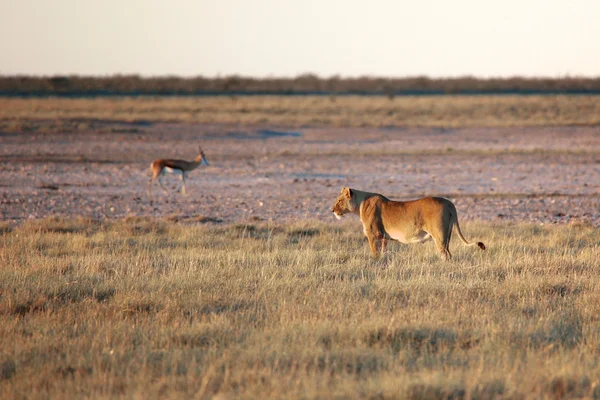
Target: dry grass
{"x": 344, "y": 111}
{"x": 142, "y": 308}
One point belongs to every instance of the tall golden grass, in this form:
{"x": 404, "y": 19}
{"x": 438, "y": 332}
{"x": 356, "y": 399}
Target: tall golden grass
{"x": 18, "y": 114}
{"x": 145, "y": 308}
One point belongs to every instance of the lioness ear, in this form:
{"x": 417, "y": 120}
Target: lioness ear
{"x": 350, "y": 194}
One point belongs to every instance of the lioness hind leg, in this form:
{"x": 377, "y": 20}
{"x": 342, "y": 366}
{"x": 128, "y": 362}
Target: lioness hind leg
{"x": 445, "y": 253}
{"x": 442, "y": 247}
{"x": 440, "y": 231}
{"x": 446, "y": 243}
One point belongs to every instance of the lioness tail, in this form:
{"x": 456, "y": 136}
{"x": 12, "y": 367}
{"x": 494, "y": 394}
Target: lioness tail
{"x": 465, "y": 241}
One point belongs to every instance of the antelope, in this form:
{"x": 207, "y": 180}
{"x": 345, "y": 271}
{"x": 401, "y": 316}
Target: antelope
{"x": 177, "y": 167}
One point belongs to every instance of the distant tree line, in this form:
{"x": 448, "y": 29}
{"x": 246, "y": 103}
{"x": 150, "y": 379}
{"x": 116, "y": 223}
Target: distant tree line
{"x": 134, "y": 85}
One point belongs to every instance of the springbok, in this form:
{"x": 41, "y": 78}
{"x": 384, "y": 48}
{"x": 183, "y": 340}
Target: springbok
{"x": 177, "y": 167}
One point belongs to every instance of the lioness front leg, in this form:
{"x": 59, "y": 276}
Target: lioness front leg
{"x": 373, "y": 245}
{"x": 383, "y": 246}
{"x": 377, "y": 245}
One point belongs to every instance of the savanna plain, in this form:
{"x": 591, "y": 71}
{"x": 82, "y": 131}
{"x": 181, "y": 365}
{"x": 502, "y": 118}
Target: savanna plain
{"x": 247, "y": 287}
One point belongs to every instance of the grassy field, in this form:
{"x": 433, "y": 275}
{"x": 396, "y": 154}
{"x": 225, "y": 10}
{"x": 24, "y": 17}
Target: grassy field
{"x": 50, "y": 114}
{"x": 144, "y": 308}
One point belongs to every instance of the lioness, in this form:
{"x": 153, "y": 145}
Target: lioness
{"x": 405, "y": 221}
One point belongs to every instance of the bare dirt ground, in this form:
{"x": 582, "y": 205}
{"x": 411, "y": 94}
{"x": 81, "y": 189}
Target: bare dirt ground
{"x": 545, "y": 175}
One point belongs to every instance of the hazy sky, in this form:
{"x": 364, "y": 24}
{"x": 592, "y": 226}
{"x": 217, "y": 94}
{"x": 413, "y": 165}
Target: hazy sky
{"x": 286, "y": 38}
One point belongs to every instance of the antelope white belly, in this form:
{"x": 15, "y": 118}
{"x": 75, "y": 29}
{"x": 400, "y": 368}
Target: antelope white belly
{"x": 403, "y": 237}
{"x": 173, "y": 171}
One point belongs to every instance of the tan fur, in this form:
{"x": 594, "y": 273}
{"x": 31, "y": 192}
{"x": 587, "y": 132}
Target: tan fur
{"x": 160, "y": 166}
{"x": 405, "y": 221}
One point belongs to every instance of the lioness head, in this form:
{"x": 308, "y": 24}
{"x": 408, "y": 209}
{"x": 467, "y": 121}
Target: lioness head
{"x": 343, "y": 204}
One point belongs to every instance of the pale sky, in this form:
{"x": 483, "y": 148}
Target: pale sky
{"x": 279, "y": 38}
